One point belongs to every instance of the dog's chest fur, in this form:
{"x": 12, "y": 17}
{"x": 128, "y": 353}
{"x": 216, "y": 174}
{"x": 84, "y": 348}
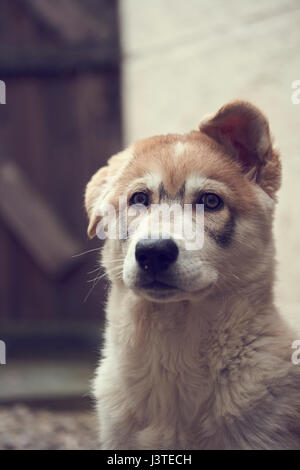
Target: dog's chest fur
{"x": 185, "y": 384}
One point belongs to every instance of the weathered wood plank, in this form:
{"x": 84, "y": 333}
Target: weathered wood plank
{"x": 35, "y": 224}
{"x": 52, "y": 61}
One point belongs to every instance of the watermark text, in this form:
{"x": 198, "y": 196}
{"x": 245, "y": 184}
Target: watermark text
{"x": 295, "y": 97}
{"x": 296, "y": 354}
{"x": 2, "y": 353}
{"x": 2, "y": 92}
{"x": 156, "y": 221}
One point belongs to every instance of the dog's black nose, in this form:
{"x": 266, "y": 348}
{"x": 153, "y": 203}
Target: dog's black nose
{"x": 156, "y": 255}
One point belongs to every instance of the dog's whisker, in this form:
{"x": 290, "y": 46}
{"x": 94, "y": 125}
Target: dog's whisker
{"x": 113, "y": 270}
{"x": 94, "y": 270}
{"x": 97, "y": 279}
{"x": 86, "y": 252}
{"x": 95, "y": 282}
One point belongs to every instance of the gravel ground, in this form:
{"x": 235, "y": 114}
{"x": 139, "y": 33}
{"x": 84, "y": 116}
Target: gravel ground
{"x": 22, "y": 427}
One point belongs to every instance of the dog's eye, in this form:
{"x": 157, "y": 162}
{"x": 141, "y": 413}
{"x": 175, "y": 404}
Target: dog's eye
{"x": 211, "y": 201}
{"x": 139, "y": 198}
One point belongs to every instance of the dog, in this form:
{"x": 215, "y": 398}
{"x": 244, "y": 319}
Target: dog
{"x": 196, "y": 355}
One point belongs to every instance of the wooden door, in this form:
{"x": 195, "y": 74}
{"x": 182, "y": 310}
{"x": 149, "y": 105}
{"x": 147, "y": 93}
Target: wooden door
{"x": 61, "y": 121}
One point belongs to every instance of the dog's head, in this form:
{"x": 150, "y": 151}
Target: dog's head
{"x": 229, "y": 168}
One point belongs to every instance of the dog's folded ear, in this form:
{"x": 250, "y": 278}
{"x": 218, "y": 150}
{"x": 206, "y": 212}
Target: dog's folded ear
{"x": 99, "y": 187}
{"x": 243, "y": 131}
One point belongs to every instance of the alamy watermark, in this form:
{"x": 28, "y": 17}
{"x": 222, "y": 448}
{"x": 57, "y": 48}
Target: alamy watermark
{"x": 295, "y": 96}
{"x": 2, "y": 92}
{"x": 296, "y": 354}
{"x": 156, "y": 221}
{"x": 2, "y": 353}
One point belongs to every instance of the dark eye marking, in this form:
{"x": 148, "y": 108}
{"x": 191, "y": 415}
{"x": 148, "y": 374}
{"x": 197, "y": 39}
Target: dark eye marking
{"x": 140, "y": 198}
{"x": 181, "y": 193}
{"x": 163, "y": 194}
{"x": 224, "y": 236}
